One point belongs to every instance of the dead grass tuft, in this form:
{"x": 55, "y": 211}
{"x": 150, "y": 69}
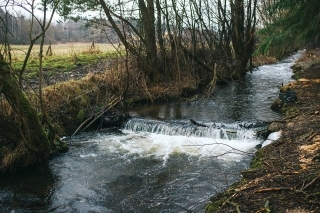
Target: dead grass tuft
{"x": 261, "y": 60}
{"x": 308, "y": 59}
{"x": 308, "y": 152}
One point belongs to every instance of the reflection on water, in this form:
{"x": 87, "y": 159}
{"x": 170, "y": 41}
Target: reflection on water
{"x": 160, "y": 162}
{"x": 27, "y": 191}
{"x": 241, "y": 101}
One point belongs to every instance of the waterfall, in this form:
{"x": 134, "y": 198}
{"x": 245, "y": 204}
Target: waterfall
{"x": 188, "y": 129}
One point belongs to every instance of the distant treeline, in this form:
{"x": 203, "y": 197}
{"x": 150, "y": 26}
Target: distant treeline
{"x": 19, "y": 28}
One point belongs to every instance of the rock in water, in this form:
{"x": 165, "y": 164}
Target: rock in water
{"x": 276, "y": 105}
{"x": 288, "y": 97}
{"x": 115, "y": 119}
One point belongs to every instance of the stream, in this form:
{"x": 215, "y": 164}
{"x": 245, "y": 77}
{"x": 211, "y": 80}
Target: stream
{"x": 160, "y": 161}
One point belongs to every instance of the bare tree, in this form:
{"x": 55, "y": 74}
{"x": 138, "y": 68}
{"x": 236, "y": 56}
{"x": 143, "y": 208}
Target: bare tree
{"x": 24, "y": 140}
{"x": 175, "y": 38}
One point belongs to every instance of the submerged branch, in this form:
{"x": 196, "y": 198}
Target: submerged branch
{"x": 98, "y": 115}
{"x": 227, "y": 152}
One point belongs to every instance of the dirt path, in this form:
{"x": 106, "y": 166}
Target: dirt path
{"x": 285, "y": 175}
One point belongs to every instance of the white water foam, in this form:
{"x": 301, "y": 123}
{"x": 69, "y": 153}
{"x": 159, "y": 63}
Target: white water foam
{"x": 88, "y": 155}
{"x": 161, "y": 146}
{"x": 271, "y": 138}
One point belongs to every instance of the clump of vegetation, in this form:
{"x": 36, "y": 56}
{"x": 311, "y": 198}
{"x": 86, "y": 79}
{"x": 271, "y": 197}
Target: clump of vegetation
{"x": 259, "y": 59}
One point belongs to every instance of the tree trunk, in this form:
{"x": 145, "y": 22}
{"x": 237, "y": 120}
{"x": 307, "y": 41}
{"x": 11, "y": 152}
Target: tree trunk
{"x": 242, "y": 33}
{"x": 148, "y": 60}
{"x": 32, "y": 143}
{"x": 149, "y": 31}
{"x": 162, "y": 51}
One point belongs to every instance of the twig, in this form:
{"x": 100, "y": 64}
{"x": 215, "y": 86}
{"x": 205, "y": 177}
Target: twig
{"x": 311, "y": 182}
{"x": 232, "y": 148}
{"x": 290, "y": 173}
{"x": 312, "y": 136}
{"x": 236, "y": 206}
{"x": 97, "y": 115}
{"x": 82, "y": 124}
{"x": 197, "y": 124}
{"x": 112, "y": 104}
{"x": 231, "y": 203}
{"x": 273, "y": 189}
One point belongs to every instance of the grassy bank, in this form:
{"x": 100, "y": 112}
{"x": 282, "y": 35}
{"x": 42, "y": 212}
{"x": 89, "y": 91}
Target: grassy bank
{"x": 71, "y": 102}
{"x": 284, "y": 176}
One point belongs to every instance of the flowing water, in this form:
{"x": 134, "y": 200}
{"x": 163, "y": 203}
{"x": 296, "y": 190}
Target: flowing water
{"x": 161, "y": 161}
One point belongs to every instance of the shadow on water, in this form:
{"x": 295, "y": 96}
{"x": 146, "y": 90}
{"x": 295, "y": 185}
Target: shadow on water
{"x": 27, "y": 191}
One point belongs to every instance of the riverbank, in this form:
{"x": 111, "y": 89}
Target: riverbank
{"x": 83, "y": 92}
{"x": 285, "y": 175}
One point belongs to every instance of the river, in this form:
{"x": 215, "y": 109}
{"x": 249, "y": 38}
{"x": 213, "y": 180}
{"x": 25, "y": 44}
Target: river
{"x": 159, "y": 161}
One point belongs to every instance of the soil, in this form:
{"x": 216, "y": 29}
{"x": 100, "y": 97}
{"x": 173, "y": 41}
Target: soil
{"x": 285, "y": 175}
{"x": 74, "y": 74}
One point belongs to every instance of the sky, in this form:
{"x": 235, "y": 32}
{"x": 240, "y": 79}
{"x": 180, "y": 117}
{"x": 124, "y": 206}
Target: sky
{"x": 23, "y": 8}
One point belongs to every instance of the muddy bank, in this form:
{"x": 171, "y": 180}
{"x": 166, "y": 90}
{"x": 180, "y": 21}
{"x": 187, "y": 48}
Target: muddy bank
{"x": 284, "y": 176}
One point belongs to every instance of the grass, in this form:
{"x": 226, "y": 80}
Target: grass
{"x": 61, "y": 49}
{"x": 64, "y": 57}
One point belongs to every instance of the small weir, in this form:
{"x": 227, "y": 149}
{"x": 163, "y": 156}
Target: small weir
{"x": 189, "y": 129}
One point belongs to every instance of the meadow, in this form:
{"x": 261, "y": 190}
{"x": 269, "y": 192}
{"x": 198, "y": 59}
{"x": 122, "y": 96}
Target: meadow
{"x": 62, "y": 49}
{"x": 62, "y": 58}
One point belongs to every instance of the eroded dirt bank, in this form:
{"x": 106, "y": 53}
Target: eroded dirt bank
{"x": 285, "y": 175}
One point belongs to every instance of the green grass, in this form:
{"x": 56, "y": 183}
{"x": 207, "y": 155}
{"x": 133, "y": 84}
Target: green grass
{"x": 64, "y": 58}
{"x": 65, "y": 62}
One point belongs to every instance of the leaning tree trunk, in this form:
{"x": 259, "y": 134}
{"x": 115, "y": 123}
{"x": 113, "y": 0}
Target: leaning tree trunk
{"x": 29, "y": 143}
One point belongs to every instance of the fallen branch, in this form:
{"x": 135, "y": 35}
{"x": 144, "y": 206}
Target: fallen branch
{"x": 197, "y": 124}
{"x": 310, "y": 182}
{"x": 290, "y": 173}
{"x": 227, "y": 152}
{"x": 97, "y": 115}
{"x": 82, "y": 124}
{"x": 312, "y": 136}
{"x": 273, "y": 189}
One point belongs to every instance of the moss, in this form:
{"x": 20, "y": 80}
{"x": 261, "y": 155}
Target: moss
{"x": 61, "y": 146}
{"x": 81, "y": 114}
{"x": 295, "y": 77}
{"x": 274, "y": 127}
{"x": 289, "y": 111}
{"x": 219, "y": 201}
{"x": 213, "y": 207}
{"x": 257, "y": 160}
